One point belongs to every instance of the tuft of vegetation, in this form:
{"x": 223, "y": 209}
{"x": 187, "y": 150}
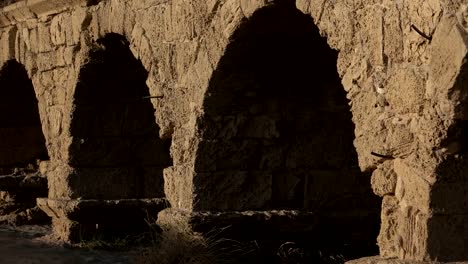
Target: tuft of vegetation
{"x": 178, "y": 245}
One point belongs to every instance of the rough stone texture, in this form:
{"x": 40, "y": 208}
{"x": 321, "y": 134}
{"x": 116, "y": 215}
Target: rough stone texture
{"x": 247, "y": 135}
{"x": 384, "y": 179}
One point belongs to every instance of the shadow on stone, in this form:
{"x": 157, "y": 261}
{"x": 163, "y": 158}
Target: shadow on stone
{"x": 22, "y": 147}
{"x": 277, "y": 134}
{"x": 115, "y": 135}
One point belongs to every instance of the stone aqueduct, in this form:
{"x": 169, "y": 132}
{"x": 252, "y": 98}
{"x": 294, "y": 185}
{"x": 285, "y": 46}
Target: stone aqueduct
{"x": 233, "y": 110}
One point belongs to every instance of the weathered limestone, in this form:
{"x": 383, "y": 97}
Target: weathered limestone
{"x": 406, "y": 103}
{"x": 255, "y": 110}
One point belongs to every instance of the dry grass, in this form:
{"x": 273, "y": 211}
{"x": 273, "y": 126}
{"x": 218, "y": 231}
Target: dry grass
{"x": 176, "y": 245}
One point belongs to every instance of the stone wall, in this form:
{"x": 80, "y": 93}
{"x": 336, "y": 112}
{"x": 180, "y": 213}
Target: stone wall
{"x": 247, "y": 124}
{"x": 407, "y": 103}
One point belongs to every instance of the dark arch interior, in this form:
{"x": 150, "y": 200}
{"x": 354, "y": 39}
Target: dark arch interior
{"x": 116, "y": 146}
{"x": 22, "y": 141}
{"x": 277, "y": 114}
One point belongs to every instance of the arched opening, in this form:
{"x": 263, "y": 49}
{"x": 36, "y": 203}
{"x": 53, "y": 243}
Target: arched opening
{"x": 277, "y": 133}
{"x": 22, "y": 147}
{"x": 116, "y": 149}
{"x": 23, "y": 142}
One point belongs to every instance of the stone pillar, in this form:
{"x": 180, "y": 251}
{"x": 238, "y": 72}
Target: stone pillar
{"x": 424, "y": 209}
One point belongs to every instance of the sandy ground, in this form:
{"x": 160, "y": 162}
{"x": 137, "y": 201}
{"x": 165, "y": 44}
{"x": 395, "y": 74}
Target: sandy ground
{"x": 28, "y": 245}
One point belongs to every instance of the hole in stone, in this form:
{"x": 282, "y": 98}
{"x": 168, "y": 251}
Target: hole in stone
{"x": 116, "y": 148}
{"x": 278, "y": 133}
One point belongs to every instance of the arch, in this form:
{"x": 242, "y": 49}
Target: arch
{"x": 116, "y": 150}
{"x": 23, "y": 142}
{"x": 277, "y": 130}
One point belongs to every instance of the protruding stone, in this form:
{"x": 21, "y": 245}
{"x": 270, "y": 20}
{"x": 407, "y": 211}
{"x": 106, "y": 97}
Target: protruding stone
{"x": 384, "y": 179}
{"x": 266, "y": 225}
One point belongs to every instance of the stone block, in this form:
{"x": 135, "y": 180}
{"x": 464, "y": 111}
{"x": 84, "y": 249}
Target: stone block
{"x": 241, "y": 154}
{"x": 111, "y": 183}
{"x": 117, "y": 15}
{"x": 100, "y": 152}
{"x": 450, "y": 198}
{"x": 103, "y": 183}
{"x": 413, "y": 234}
{"x": 7, "y": 41}
{"x": 448, "y": 52}
{"x": 265, "y": 225}
{"x": 50, "y": 60}
{"x": 58, "y": 181}
{"x": 249, "y": 7}
{"x": 139, "y": 119}
{"x": 119, "y": 151}
{"x": 54, "y": 121}
{"x": 232, "y": 190}
{"x": 45, "y": 8}
{"x": 404, "y": 231}
{"x": 406, "y": 90}
{"x": 153, "y": 182}
{"x": 44, "y": 38}
{"x": 448, "y": 237}
{"x": 320, "y": 151}
{"x": 80, "y": 20}
{"x": 98, "y": 120}
{"x": 57, "y": 30}
{"x": 151, "y": 151}
{"x": 260, "y": 127}
{"x": 16, "y": 12}
{"x": 243, "y": 125}
{"x": 384, "y": 180}
{"x": 34, "y": 41}
{"x": 243, "y": 225}
{"x": 411, "y": 189}
{"x": 26, "y": 136}
{"x": 336, "y": 190}
{"x": 178, "y": 186}
{"x": 388, "y": 238}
